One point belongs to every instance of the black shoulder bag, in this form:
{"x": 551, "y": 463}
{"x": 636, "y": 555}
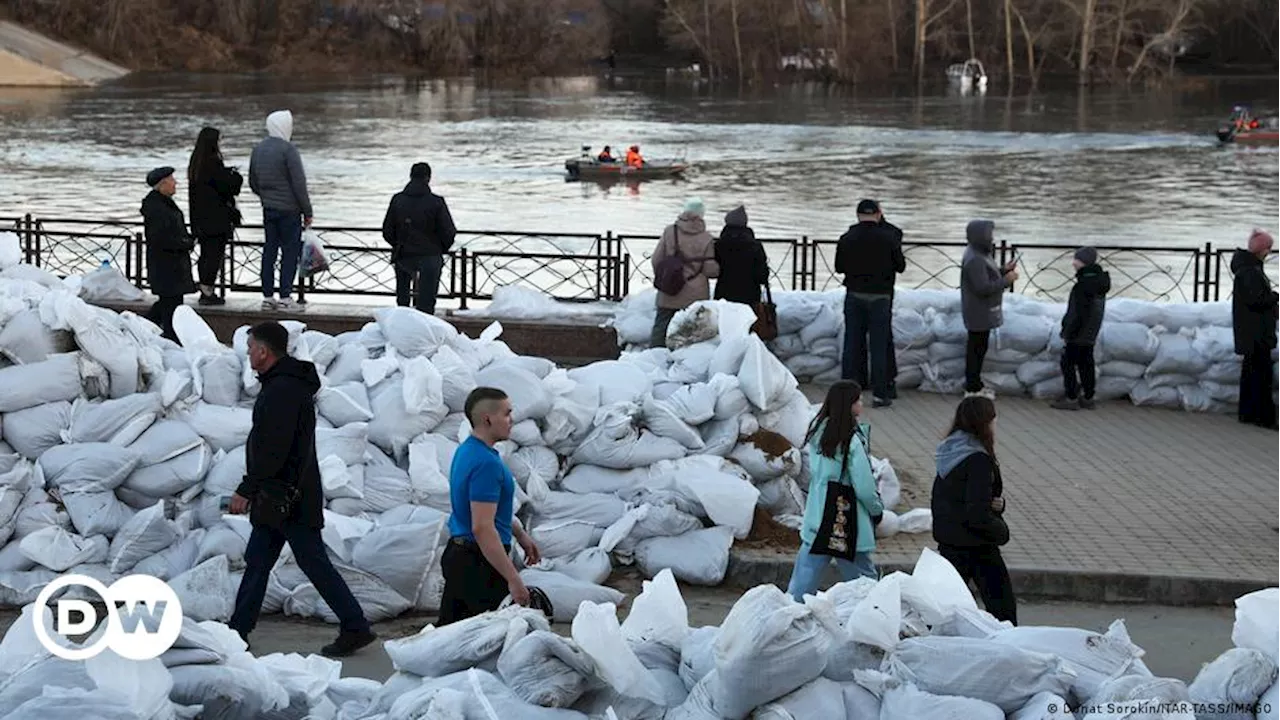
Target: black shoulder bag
{"x": 275, "y": 504}
{"x": 838, "y": 533}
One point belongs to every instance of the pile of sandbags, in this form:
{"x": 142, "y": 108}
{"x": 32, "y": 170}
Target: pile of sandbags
{"x": 1175, "y": 355}
{"x": 118, "y": 446}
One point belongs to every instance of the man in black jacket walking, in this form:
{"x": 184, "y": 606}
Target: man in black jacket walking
{"x": 420, "y": 230}
{"x": 1081, "y": 324}
{"x": 168, "y": 249}
{"x": 870, "y": 257}
{"x": 1253, "y": 318}
{"x": 281, "y": 491}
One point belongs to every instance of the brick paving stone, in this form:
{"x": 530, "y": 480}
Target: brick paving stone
{"x": 1121, "y": 489}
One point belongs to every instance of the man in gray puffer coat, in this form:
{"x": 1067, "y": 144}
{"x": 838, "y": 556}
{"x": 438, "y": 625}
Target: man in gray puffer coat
{"x": 982, "y": 286}
{"x": 276, "y": 176}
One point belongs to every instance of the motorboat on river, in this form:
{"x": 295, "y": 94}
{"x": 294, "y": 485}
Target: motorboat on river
{"x": 587, "y": 167}
{"x": 1243, "y": 127}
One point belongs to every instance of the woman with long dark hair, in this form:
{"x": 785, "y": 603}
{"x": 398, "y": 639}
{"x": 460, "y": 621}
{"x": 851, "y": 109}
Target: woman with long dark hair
{"x": 968, "y": 505}
{"x": 843, "y": 507}
{"x": 212, "y": 188}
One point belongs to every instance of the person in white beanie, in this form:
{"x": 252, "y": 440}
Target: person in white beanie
{"x": 277, "y": 177}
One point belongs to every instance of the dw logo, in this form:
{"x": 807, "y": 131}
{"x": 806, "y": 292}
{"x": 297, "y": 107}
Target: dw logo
{"x": 146, "y": 624}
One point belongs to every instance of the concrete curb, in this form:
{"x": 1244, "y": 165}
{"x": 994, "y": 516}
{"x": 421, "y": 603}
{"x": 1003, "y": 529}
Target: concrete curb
{"x": 748, "y": 569}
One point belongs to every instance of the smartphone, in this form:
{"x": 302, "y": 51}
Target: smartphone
{"x": 224, "y": 503}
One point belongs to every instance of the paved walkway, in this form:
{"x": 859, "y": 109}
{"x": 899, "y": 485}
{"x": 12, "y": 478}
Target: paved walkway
{"x": 1121, "y": 490}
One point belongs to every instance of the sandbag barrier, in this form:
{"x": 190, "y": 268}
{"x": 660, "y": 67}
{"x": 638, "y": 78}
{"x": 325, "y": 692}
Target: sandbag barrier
{"x": 1173, "y": 355}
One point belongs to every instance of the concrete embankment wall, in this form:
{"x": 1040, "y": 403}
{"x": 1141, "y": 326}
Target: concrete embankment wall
{"x": 28, "y": 58}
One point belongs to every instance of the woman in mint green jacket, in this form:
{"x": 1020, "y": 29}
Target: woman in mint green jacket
{"x": 837, "y": 451}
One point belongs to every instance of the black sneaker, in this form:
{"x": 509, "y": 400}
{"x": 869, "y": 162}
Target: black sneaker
{"x": 245, "y": 637}
{"x": 1065, "y": 404}
{"x": 1088, "y": 404}
{"x": 348, "y": 643}
{"x": 893, "y": 392}
{"x": 211, "y": 300}
{"x": 880, "y": 402}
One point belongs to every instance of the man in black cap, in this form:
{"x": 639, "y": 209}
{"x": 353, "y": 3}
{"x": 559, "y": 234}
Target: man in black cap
{"x": 869, "y": 255}
{"x": 1086, "y": 306}
{"x": 168, "y": 249}
{"x": 420, "y": 230}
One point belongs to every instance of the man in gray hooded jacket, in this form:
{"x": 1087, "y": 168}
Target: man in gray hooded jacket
{"x": 982, "y": 286}
{"x": 276, "y": 176}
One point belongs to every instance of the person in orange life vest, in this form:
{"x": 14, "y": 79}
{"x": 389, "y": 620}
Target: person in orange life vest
{"x": 633, "y": 157}
{"x": 606, "y": 155}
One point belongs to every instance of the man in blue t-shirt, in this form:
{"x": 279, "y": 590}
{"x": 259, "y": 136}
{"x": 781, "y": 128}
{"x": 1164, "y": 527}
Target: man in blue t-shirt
{"x": 477, "y": 566}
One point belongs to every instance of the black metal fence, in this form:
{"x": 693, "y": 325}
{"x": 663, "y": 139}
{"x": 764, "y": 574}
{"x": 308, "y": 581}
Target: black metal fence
{"x": 581, "y": 267}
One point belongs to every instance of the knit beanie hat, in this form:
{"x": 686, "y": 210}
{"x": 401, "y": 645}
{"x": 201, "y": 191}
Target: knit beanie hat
{"x": 1087, "y": 255}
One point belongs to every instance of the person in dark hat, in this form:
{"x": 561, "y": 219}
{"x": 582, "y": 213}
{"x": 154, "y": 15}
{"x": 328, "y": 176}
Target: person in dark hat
{"x": 1080, "y": 327}
{"x": 420, "y": 231}
{"x": 168, "y": 249}
{"x": 869, "y": 255}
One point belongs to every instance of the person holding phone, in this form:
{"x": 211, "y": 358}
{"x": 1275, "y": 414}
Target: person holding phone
{"x": 982, "y": 286}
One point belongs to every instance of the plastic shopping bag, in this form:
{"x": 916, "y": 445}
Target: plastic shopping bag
{"x": 314, "y": 258}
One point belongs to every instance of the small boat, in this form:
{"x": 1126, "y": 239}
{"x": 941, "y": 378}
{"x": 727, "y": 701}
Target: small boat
{"x": 1247, "y": 129}
{"x": 968, "y": 75}
{"x": 589, "y": 168}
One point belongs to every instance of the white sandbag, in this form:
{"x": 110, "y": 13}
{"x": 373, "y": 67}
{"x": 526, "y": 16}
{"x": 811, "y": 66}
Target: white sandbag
{"x": 1128, "y": 341}
{"x": 616, "y": 381}
{"x": 919, "y": 520}
{"x": 205, "y": 591}
{"x": 597, "y": 633}
{"x": 1170, "y": 380}
{"x": 616, "y": 442}
{"x": 164, "y": 440}
{"x": 766, "y": 455}
{"x": 1003, "y": 675}
{"x": 59, "y": 550}
{"x": 224, "y": 428}
{"x": 10, "y": 251}
{"x": 96, "y": 512}
{"x": 697, "y": 323}
{"x": 428, "y": 481}
{"x": 821, "y": 698}
{"x": 663, "y": 419}
{"x": 1143, "y": 394}
{"x": 546, "y": 670}
{"x": 1122, "y": 369}
{"x": 172, "y": 476}
{"x": 343, "y": 404}
{"x": 764, "y": 379}
{"x": 591, "y": 565}
{"x": 457, "y": 377}
{"x": 807, "y": 367}
{"x": 791, "y": 419}
{"x": 1036, "y": 372}
{"x": 907, "y": 702}
{"x": 567, "y": 593}
{"x": 1257, "y": 624}
{"x": 36, "y": 516}
{"x": 435, "y": 652}
{"x": 535, "y": 468}
{"x": 600, "y": 509}
{"x": 727, "y": 497}
{"x": 52, "y": 380}
{"x": 1044, "y": 706}
{"x": 1138, "y": 688}
{"x": 1223, "y": 372}
{"x": 935, "y": 589}
{"x": 1093, "y": 658}
{"x": 400, "y": 555}
{"x": 700, "y": 557}
{"x": 1236, "y": 678}
{"x": 216, "y": 377}
{"x": 393, "y": 426}
{"x": 529, "y": 399}
{"x": 720, "y": 437}
{"x": 338, "y": 481}
{"x": 413, "y": 333}
{"x": 19, "y": 588}
{"x": 423, "y": 386}
{"x": 1113, "y": 388}
{"x": 658, "y": 614}
{"x": 36, "y": 429}
{"x": 565, "y": 537}
{"x": 1023, "y": 333}
{"x": 781, "y": 496}
{"x": 587, "y": 478}
{"x": 696, "y": 404}
{"x": 376, "y": 598}
{"x": 1177, "y": 356}
{"x": 119, "y": 421}
{"x": 25, "y": 339}
{"x": 693, "y": 363}
{"x": 887, "y": 483}
{"x": 345, "y": 366}
{"x": 87, "y": 467}
{"x": 765, "y": 649}
{"x": 1270, "y": 703}
{"x": 146, "y": 533}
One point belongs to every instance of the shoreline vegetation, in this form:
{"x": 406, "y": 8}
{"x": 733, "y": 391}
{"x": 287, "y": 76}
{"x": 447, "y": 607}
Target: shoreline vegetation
{"x": 738, "y": 41}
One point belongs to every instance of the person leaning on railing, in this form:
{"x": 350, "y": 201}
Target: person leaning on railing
{"x": 168, "y": 249}
{"x": 420, "y": 230}
{"x": 212, "y": 188}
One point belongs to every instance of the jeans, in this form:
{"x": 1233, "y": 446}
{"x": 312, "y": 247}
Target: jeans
{"x": 161, "y": 313}
{"x": 471, "y": 585}
{"x": 1078, "y": 371}
{"x": 424, "y": 271}
{"x": 975, "y": 352}
{"x": 284, "y": 236}
{"x": 808, "y": 570}
{"x": 867, "y": 316}
{"x": 213, "y": 251}
{"x": 984, "y": 565}
{"x": 658, "y": 338}
{"x": 260, "y": 555}
{"x": 1256, "y": 405}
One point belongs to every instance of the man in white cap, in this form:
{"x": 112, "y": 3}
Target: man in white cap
{"x": 276, "y": 176}
{"x": 168, "y": 249}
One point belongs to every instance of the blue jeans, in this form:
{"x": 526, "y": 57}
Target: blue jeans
{"x": 424, "y": 272}
{"x": 808, "y": 570}
{"x": 862, "y": 318}
{"x": 283, "y": 232}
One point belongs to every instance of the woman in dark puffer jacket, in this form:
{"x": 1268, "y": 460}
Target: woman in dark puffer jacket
{"x": 743, "y": 265}
{"x": 968, "y": 506}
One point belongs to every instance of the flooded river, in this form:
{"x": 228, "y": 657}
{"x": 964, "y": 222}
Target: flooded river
{"x": 1107, "y": 167}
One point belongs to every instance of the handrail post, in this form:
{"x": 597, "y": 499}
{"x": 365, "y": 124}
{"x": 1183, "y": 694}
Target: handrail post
{"x": 1198, "y": 257}
{"x": 137, "y": 260}
{"x": 24, "y": 230}
{"x": 462, "y": 289}
{"x": 1217, "y": 273}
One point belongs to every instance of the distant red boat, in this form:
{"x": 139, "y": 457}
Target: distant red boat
{"x": 1261, "y": 136}
{"x": 596, "y": 170}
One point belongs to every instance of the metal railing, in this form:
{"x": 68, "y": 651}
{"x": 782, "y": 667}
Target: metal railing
{"x": 583, "y": 267}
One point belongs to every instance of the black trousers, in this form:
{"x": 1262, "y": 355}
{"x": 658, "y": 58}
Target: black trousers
{"x": 260, "y": 555}
{"x": 161, "y": 313}
{"x": 661, "y": 321}
{"x": 1078, "y": 371}
{"x": 1256, "y": 405}
{"x": 213, "y": 251}
{"x": 423, "y": 273}
{"x": 975, "y": 352}
{"x": 471, "y": 585}
{"x": 985, "y": 567}
{"x": 892, "y": 369}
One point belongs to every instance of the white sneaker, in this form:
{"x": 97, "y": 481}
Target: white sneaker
{"x": 268, "y": 303}
{"x": 286, "y": 304}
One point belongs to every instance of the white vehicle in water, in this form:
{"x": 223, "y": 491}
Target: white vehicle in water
{"x": 968, "y": 75}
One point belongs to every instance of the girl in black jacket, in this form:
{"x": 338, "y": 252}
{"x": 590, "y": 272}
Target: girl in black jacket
{"x": 968, "y": 506}
{"x": 743, "y": 264}
{"x": 212, "y": 188}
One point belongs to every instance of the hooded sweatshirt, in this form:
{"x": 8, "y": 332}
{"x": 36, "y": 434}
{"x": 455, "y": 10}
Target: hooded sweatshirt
{"x": 743, "y": 264}
{"x": 966, "y": 482}
{"x": 689, "y": 235}
{"x": 1253, "y": 304}
{"x": 281, "y": 449}
{"x": 1086, "y": 306}
{"x": 276, "y": 174}
{"x": 982, "y": 283}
